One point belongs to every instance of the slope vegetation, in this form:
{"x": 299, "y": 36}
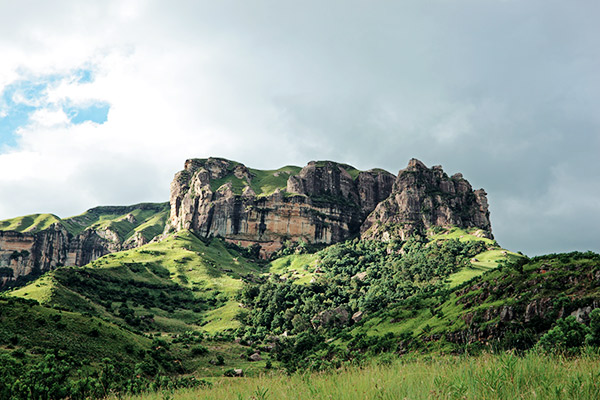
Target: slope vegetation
{"x": 147, "y": 218}
{"x": 179, "y": 284}
{"x": 29, "y": 223}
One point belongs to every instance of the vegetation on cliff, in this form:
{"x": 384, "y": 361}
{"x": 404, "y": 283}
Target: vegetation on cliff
{"x": 147, "y": 218}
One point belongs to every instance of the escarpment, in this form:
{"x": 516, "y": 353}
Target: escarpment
{"x": 76, "y": 241}
{"x": 423, "y": 198}
{"x": 320, "y": 203}
{"x": 324, "y": 202}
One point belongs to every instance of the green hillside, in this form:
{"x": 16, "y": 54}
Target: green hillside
{"x": 265, "y": 182}
{"x": 29, "y": 223}
{"x": 187, "y": 306}
{"x": 44, "y": 328}
{"x": 491, "y": 310}
{"x": 147, "y": 218}
{"x": 183, "y": 282}
{"x": 165, "y": 308}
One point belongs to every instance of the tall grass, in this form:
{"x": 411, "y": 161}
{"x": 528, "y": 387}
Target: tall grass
{"x": 504, "y": 376}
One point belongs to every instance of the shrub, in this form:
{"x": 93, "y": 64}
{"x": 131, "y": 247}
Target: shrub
{"x": 593, "y": 338}
{"x": 199, "y": 350}
{"x": 567, "y": 334}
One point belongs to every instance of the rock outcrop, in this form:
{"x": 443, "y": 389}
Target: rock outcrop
{"x": 24, "y": 254}
{"x": 35, "y": 253}
{"x": 323, "y": 203}
{"x": 426, "y": 197}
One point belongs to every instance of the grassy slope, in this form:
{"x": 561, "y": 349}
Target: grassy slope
{"x": 464, "y": 235}
{"x": 567, "y": 280}
{"x": 501, "y": 376}
{"x": 481, "y": 263}
{"x": 29, "y": 223}
{"x": 299, "y": 267}
{"x": 486, "y": 261}
{"x": 187, "y": 285}
{"x": 150, "y": 220}
{"x": 46, "y": 328}
{"x": 265, "y": 182}
{"x": 181, "y": 265}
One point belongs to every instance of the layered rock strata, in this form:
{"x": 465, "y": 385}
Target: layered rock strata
{"x": 426, "y": 197}
{"x": 32, "y": 253}
{"x": 323, "y": 203}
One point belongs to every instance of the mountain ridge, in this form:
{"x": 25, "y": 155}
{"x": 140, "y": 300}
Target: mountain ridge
{"x": 37, "y": 243}
{"x": 324, "y": 202}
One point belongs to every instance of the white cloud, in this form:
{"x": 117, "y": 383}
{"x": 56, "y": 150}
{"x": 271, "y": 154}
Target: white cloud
{"x": 48, "y": 118}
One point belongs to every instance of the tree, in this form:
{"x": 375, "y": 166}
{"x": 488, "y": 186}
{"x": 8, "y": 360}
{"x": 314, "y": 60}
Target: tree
{"x": 567, "y": 334}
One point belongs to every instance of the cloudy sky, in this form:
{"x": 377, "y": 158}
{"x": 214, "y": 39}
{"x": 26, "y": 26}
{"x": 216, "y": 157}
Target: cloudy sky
{"x": 102, "y": 101}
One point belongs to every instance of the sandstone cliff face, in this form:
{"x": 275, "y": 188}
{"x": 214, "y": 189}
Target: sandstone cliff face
{"x": 22, "y": 254}
{"x": 321, "y": 204}
{"x": 324, "y": 202}
{"x": 423, "y": 198}
{"x": 25, "y": 253}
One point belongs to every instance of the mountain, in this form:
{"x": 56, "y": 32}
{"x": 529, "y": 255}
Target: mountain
{"x": 324, "y": 202}
{"x": 424, "y": 198}
{"x": 296, "y": 268}
{"x": 33, "y": 244}
{"x": 195, "y": 279}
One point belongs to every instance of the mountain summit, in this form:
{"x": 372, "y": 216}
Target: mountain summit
{"x": 324, "y": 202}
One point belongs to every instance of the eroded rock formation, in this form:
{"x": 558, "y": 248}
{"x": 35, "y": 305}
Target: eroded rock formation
{"x": 426, "y": 197}
{"x": 25, "y": 254}
{"x": 321, "y": 204}
{"x": 326, "y": 202}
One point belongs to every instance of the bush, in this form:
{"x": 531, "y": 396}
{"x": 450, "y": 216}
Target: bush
{"x": 567, "y": 334}
{"x": 199, "y": 350}
{"x": 593, "y": 338}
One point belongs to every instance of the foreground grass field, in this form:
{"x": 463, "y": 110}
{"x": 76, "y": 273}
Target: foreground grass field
{"x": 503, "y": 376}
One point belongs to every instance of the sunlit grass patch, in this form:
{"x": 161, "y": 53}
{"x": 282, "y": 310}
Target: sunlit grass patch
{"x": 490, "y": 376}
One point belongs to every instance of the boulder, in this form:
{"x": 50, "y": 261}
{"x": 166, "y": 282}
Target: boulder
{"x": 357, "y": 316}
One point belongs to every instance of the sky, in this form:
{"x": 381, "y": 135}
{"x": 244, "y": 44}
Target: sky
{"x": 101, "y": 102}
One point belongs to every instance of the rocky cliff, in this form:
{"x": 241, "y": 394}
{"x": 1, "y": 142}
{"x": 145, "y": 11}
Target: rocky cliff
{"x": 325, "y": 202}
{"x": 423, "y": 198}
{"x": 27, "y": 251}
